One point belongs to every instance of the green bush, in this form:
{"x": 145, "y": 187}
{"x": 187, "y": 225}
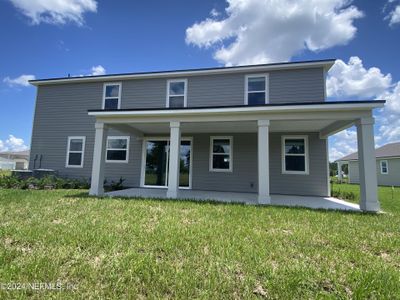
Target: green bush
{"x": 344, "y": 195}
{"x": 46, "y": 182}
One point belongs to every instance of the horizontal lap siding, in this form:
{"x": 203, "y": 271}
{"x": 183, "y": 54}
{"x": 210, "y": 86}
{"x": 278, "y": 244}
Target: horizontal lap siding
{"x": 244, "y": 165}
{"x": 303, "y": 85}
{"x": 61, "y": 111}
{"x": 316, "y": 183}
{"x": 243, "y": 178}
{"x": 393, "y": 178}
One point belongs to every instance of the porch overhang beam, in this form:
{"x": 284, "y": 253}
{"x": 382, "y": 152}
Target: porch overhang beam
{"x": 128, "y": 128}
{"x": 232, "y": 117}
{"x": 335, "y": 128}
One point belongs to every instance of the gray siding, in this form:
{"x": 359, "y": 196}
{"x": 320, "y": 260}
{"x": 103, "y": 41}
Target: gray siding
{"x": 289, "y": 86}
{"x": 61, "y": 111}
{"x": 393, "y": 178}
{"x": 243, "y": 178}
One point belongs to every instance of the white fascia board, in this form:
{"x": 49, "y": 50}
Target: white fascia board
{"x": 243, "y": 110}
{"x": 257, "y": 68}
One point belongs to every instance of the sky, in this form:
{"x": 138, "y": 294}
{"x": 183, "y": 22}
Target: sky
{"x": 47, "y": 38}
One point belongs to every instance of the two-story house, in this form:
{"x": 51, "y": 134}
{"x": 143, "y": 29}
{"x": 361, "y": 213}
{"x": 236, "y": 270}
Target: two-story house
{"x": 259, "y": 129}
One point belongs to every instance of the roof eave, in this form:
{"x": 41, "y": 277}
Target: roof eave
{"x": 326, "y": 64}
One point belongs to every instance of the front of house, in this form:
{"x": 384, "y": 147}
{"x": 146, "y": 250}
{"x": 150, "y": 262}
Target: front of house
{"x": 258, "y": 129}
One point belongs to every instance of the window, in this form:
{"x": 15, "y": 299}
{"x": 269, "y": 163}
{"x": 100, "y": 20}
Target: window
{"x": 117, "y": 149}
{"x": 112, "y": 96}
{"x": 295, "y": 155}
{"x": 75, "y": 151}
{"x": 384, "y": 167}
{"x": 176, "y": 93}
{"x": 221, "y": 154}
{"x": 256, "y": 89}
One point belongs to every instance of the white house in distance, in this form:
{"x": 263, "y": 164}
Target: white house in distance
{"x": 387, "y": 167}
{"x": 10, "y": 160}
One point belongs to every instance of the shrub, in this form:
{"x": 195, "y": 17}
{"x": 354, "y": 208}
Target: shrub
{"x": 343, "y": 195}
{"x": 117, "y": 185}
{"x": 46, "y": 182}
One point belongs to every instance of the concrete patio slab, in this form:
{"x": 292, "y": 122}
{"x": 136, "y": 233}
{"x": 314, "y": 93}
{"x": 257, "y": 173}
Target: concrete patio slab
{"x": 246, "y": 198}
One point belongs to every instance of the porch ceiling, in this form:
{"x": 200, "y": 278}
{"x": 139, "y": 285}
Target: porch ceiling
{"x": 230, "y": 127}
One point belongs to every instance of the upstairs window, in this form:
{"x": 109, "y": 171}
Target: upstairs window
{"x": 117, "y": 149}
{"x": 75, "y": 151}
{"x": 256, "y": 89}
{"x": 112, "y": 96}
{"x": 221, "y": 154}
{"x": 384, "y": 167}
{"x": 294, "y": 155}
{"x": 176, "y": 93}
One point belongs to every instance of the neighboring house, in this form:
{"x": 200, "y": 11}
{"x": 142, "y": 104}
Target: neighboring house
{"x": 14, "y": 160}
{"x": 6, "y": 164}
{"x": 258, "y": 129}
{"x": 387, "y": 165}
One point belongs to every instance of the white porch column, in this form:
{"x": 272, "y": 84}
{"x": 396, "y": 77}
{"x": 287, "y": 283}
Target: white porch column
{"x": 367, "y": 165}
{"x": 96, "y": 186}
{"x": 339, "y": 168}
{"x": 263, "y": 162}
{"x": 174, "y": 153}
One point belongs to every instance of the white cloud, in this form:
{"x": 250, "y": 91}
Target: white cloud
{"x": 13, "y": 144}
{"x": 55, "y": 11}
{"x": 266, "y": 31}
{"x": 98, "y": 70}
{"x": 214, "y": 13}
{"x": 342, "y": 144}
{"x": 353, "y": 80}
{"x": 394, "y": 15}
{"x": 22, "y": 80}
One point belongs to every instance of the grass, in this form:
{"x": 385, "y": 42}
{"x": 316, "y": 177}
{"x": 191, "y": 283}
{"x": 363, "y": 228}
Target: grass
{"x": 116, "y": 248}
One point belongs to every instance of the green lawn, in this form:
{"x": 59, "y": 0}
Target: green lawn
{"x": 116, "y": 248}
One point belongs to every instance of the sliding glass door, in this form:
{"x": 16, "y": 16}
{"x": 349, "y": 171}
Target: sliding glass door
{"x": 157, "y": 161}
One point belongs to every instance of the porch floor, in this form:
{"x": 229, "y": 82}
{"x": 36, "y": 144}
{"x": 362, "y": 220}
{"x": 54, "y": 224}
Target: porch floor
{"x": 234, "y": 197}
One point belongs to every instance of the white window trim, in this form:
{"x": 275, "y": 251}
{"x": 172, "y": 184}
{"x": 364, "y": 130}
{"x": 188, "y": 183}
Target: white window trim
{"x": 246, "y": 87}
{"x": 119, "y": 93}
{"x": 212, "y": 138}
{"x": 184, "y": 91}
{"x": 387, "y": 167}
{"x": 83, "y": 138}
{"x": 127, "y": 149}
{"x": 306, "y": 154}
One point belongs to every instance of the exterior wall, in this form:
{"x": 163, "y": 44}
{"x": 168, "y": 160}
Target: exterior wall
{"x": 393, "y": 178}
{"x": 244, "y": 175}
{"x": 61, "y": 111}
{"x": 243, "y": 178}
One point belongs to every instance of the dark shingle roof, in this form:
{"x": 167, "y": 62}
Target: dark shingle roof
{"x": 388, "y": 150}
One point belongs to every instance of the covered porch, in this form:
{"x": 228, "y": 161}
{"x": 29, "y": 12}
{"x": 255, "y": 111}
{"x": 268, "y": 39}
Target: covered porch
{"x": 318, "y": 119}
{"x": 242, "y": 198}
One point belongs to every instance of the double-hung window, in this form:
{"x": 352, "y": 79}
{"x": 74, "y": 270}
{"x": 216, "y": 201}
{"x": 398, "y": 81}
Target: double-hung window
{"x": 75, "y": 151}
{"x": 384, "y": 167}
{"x": 256, "y": 87}
{"x": 176, "y": 93}
{"x": 295, "y": 155}
{"x": 117, "y": 149}
{"x": 221, "y": 153}
{"x": 112, "y": 96}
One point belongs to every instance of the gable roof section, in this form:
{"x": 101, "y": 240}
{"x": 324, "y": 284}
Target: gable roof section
{"x": 325, "y": 63}
{"x": 386, "y": 151}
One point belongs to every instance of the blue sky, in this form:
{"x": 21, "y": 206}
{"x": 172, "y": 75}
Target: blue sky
{"x": 44, "y": 39}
